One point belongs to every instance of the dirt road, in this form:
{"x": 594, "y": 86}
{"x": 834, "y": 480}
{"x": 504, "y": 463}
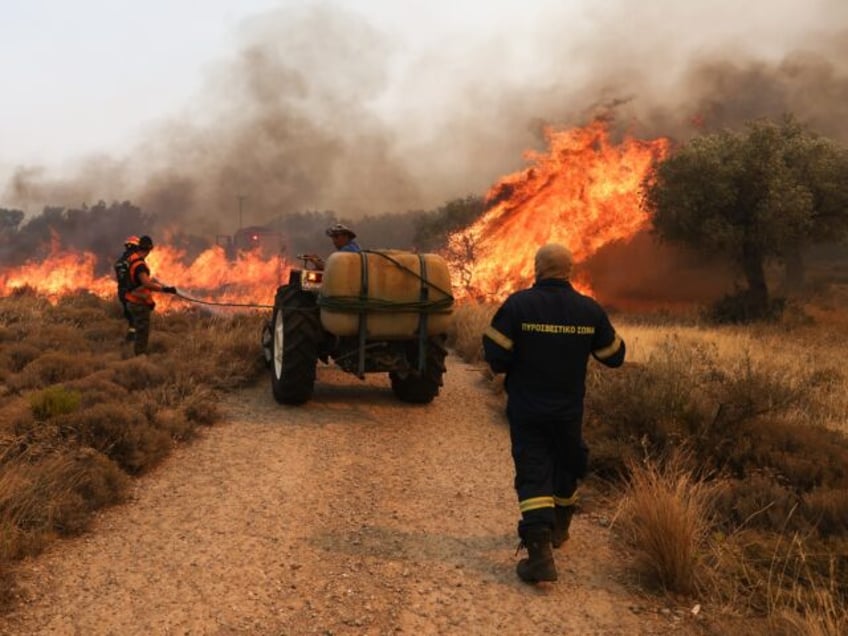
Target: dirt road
{"x": 354, "y": 514}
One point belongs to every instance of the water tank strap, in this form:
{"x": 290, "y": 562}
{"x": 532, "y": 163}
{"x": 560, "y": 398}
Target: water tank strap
{"x": 363, "y": 297}
{"x": 423, "y": 315}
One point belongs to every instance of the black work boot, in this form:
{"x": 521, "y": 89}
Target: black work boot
{"x": 562, "y": 515}
{"x": 539, "y": 564}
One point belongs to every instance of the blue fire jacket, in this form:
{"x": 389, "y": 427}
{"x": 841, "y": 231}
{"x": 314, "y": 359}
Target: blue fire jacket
{"x": 542, "y": 338}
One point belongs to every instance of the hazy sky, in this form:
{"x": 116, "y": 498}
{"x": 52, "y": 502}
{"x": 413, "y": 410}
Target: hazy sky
{"x": 87, "y": 75}
{"x": 436, "y": 97}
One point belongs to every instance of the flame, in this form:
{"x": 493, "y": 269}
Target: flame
{"x": 584, "y": 193}
{"x": 249, "y": 279}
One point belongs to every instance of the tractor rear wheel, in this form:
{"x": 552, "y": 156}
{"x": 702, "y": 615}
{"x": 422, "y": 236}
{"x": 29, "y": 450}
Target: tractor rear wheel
{"x": 421, "y": 387}
{"x": 267, "y": 341}
{"x": 296, "y": 333}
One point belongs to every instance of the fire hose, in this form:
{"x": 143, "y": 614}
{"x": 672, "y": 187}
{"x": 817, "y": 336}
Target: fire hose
{"x": 342, "y": 303}
{"x": 218, "y": 304}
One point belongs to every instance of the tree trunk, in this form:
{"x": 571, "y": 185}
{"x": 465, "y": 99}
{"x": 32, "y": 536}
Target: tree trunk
{"x": 753, "y": 267}
{"x": 795, "y": 270}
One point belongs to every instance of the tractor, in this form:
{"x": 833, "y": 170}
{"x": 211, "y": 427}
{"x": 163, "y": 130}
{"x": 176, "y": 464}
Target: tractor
{"x": 375, "y": 311}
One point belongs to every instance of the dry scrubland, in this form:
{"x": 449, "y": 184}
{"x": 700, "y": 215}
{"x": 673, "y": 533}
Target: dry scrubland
{"x": 81, "y": 416}
{"x": 722, "y": 450}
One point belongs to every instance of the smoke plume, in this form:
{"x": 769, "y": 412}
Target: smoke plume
{"x": 316, "y": 112}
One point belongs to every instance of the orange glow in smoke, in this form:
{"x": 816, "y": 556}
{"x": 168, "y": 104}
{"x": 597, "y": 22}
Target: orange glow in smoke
{"x": 584, "y": 192}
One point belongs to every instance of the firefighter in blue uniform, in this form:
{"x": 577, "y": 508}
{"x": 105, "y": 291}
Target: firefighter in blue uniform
{"x": 541, "y": 338}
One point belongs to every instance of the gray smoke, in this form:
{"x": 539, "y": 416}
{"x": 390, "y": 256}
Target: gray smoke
{"x": 314, "y": 113}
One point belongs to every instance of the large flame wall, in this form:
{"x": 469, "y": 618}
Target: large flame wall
{"x": 584, "y": 192}
{"x": 249, "y": 278}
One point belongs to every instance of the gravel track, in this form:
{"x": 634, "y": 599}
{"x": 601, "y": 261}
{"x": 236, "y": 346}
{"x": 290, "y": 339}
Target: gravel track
{"x": 353, "y": 514}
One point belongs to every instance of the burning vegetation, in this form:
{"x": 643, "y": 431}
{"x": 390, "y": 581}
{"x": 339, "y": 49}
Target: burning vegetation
{"x": 583, "y": 191}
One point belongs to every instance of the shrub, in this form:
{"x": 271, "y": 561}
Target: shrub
{"x": 742, "y": 308}
{"x": 828, "y": 509}
{"x": 54, "y": 367}
{"x": 53, "y": 401}
{"x": 15, "y": 412}
{"x": 221, "y": 351}
{"x": 122, "y": 433}
{"x": 82, "y": 317}
{"x": 666, "y": 515}
{"x": 202, "y": 408}
{"x": 105, "y": 334}
{"x": 82, "y": 300}
{"x": 19, "y": 354}
{"x": 99, "y": 388}
{"x": 470, "y": 320}
{"x": 137, "y": 373}
{"x": 175, "y": 423}
{"x": 56, "y": 336}
{"x": 67, "y": 447}
{"x": 23, "y": 308}
{"x": 53, "y": 494}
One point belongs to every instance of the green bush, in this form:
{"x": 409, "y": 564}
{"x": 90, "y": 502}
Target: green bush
{"x": 53, "y": 401}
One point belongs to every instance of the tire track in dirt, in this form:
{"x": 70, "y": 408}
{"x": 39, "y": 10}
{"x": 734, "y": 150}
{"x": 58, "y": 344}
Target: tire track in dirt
{"x": 353, "y": 514}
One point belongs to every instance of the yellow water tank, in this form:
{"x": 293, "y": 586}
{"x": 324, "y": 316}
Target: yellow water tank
{"x": 390, "y": 289}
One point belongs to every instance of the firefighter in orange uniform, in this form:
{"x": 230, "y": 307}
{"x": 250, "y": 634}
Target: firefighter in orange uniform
{"x": 122, "y": 274}
{"x": 139, "y": 298}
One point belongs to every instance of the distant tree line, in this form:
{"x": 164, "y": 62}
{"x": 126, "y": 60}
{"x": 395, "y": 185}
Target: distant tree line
{"x": 99, "y": 229}
{"x": 421, "y": 230}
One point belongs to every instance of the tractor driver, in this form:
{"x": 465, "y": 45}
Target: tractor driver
{"x": 344, "y": 240}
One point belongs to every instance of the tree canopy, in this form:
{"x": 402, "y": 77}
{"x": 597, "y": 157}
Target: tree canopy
{"x": 433, "y": 228}
{"x": 760, "y": 194}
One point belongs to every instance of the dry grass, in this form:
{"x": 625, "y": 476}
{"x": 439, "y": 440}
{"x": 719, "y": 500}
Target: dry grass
{"x": 760, "y": 410}
{"x": 763, "y": 413}
{"x": 665, "y": 513}
{"x": 802, "y": 601}
{"x": 79, "y": 415}
{"x": 42, "y": 497}
{"x": 470, "y": 320}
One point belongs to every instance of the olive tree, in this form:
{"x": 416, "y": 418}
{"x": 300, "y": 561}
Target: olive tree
{"x": 754, "y": 196}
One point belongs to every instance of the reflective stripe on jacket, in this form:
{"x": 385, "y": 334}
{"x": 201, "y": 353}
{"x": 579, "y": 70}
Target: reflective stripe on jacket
{"x": 542, "y": 338}
{"x": 138, "y": 293}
